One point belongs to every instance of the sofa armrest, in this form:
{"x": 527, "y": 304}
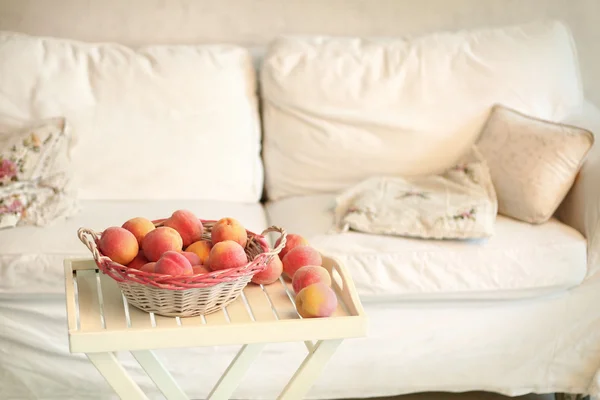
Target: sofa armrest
{"x": 581, "y": 208}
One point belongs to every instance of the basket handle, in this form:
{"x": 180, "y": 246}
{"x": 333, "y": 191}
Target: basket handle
{"x": 282, "y": 237}
{"x": 89, "y": 238}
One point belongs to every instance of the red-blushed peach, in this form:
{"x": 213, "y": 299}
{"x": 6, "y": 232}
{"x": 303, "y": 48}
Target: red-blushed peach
{"x": 119, "y": 245}
{"x": 228, "y": 229}
{"x": 187, "y": 224}
{"x": 299, "y": 257}
{"x": 308, "y": 275}
{"x": 269, "y": 274}
{"x": 149, "y": 267}
{"x": 159, "y": 241}
{"x": 139, "y": 227}
{"x": 200, "y": 269}
{"x": 316, "y": 300}
{"x": 173, "y": 263}
{"x": 192, "y": 257}
{"x": 227, "y": 254}
{"x": 138, "y": 262}
{"x": 291, "y": 241}
{"x": 201, "y": 248}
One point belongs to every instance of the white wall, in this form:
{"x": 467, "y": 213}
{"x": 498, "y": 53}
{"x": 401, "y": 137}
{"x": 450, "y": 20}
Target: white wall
{"x": 254, "y": 22}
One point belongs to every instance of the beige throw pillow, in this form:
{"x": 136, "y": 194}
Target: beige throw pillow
{"x": 458, "y": 204}
{"x": 533, "y": 163}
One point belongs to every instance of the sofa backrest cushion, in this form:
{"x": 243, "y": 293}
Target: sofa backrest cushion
{"x": 339, "y": 110}
{"x": 178, "y": 122}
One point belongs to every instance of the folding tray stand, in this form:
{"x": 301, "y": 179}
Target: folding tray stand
{"x": 101, "y": 322}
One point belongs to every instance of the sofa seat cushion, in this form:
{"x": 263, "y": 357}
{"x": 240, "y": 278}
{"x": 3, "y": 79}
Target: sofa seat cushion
{"x": 31, "y": 258}
{"x": 520, "y": 260}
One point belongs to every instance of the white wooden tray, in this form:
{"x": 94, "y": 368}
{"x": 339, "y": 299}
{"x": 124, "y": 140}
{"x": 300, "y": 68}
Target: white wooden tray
{"x": 100, "y": 320}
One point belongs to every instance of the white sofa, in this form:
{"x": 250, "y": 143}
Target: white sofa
{"x": 161, "y": 128}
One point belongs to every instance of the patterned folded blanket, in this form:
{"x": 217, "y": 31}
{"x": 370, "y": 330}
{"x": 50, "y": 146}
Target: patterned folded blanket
{"x": 457, "y": 204}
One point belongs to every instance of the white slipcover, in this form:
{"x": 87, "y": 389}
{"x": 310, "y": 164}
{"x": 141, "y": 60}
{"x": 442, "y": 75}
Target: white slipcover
{"x": 338, "y": 110}
{"x": 581, "y": 208}
{"x": 520, "y": 260}
{"x": 157, "y": 122}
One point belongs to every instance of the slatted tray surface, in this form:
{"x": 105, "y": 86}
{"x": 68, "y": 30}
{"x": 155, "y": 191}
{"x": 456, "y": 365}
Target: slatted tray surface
{"x": 100, "y": 319}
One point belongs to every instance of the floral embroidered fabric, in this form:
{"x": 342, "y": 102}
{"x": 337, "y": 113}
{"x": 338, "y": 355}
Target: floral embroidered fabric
{"x": 35, "y": 183}
{"x": 458, "y": 204}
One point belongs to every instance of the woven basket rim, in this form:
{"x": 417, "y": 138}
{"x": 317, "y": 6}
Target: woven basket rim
{"x": 122, "y": 273}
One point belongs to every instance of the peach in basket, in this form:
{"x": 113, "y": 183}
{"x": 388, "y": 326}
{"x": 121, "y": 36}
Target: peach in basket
{"x": 119, "y": 245}
{"x": 161, "y": 240}
{"x": 173, "y": 263}
{"x": 226, "y": 254}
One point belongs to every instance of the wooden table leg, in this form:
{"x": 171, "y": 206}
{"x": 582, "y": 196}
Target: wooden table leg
{"x": 116, "y": 376}
{"x": 309, "y": 370}
{"x": 233, "y": 375}
{"x": 159, "y": 375}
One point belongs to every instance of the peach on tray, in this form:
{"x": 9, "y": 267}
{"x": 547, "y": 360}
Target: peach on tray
{"x": 308, "y": 275}
{"x": 187, "y": 225}
{"x": 159, "y": 241}
{"x": 270, "y": 274}
{"x": 119, "y": 245}
{"x": 228, "y": 229}
{"x": 291, "y": 241}
{"x": 316, "y": 300}
{"x": 227, "y": 254}
{"x": 299, "y": 257}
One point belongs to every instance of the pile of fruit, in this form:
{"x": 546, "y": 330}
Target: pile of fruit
{"x": 310, "y": 281}
{"x": 177, "y": 248}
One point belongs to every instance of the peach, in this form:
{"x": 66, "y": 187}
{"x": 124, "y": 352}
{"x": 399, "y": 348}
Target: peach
{"x": 187, "y": 224}
{"x": 149, "y": 267}
{"x": 200, "y": 269}
{"x": 192, "y": 257}
{"x": 159, "y": 241}
{"x": 227, "y": 254}
{"x": 316, "y": 300}
{"x": 173, "y": 263}
{"x": 228, "y": 229}
{"x": 291, "y": 241}
{"x": 308, "y": 275}
{"x": 139, "y": 227}
{"x": 119, "y": 245}
{"x": 299, "y": 257}
{"x": 138, "y": 262}
{"x": 201, "y": 248}
{"x": 269, "y": 274}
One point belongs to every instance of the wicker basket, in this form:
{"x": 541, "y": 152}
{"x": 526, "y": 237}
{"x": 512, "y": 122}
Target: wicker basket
{"x": 191, "y": 295}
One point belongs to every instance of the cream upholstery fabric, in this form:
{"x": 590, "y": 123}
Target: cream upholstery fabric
{"x": 581, "y": 208}
{"x": 533, "y": 162}
{"x": 458, "y": 204}
{"x": 149, "y": 123}
{"x": 340, "y": 110}
{"x": 520, "y": 260}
